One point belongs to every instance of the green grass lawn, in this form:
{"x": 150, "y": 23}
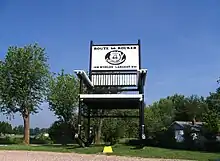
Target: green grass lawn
{"x": 148, "y": 152}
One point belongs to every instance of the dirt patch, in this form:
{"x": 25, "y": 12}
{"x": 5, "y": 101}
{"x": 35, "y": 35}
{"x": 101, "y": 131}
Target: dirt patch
{"x": 52, "y": 156}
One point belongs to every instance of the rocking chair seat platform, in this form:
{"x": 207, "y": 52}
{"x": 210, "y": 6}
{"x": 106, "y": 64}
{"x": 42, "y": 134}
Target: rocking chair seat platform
{"x": 112, "y": 101}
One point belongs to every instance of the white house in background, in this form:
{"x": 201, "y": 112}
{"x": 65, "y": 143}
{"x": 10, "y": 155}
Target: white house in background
{"x": 178, "y": 127}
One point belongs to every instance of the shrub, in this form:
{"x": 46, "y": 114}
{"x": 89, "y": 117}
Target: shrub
{"x": 112, "y": 130}
{"x": 111, "y": 136}
{"x": 212, "y": 146}
{"x": 61, "y": 133}
{"x": 11, "y": 140}
{"x": 165, "y": 138}
{"x": 188, "y": 139}
{"x": 41, "y": 139}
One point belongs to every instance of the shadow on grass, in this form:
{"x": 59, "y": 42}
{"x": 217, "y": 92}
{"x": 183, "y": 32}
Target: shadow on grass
{"x": 61, "y": 146}
{"x": 137, "y": 147}
{"x": 71, "y": 146}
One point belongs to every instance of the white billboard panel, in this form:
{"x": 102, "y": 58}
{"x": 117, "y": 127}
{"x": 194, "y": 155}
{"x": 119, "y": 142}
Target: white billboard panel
{"x": 116, "y": 57}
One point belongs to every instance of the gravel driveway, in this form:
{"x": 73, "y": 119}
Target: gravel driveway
{"x": 51, "y": 156}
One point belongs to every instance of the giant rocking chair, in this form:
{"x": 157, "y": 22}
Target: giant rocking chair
{"x": 115, "y": 81}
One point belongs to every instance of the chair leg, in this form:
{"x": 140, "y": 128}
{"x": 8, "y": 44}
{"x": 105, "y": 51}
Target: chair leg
{"x": 79, "y": 120}
{"x": 88, "y": 126}
{"x": 141, "y": 128}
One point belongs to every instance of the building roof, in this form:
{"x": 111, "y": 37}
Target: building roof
{"x": 183, "y": 123}
{"x": 196, "y": 127}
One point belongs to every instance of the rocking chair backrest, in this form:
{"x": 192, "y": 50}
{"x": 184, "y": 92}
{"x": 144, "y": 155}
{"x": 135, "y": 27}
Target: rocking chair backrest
{"x": 114, "y": 65}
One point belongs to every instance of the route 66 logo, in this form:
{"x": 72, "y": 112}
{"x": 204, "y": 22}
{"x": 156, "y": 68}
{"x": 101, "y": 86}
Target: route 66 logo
{"x": 115, "y": 57}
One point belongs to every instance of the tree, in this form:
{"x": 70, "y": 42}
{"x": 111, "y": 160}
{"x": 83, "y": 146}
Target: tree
{"x": 5, "y": 128}
{"x": 18, "y": 129}
{"x": 61, "y": 132}
{"x": 212, "y": 121}
{"x": 212, "y": 115}
{"x": 131, "y": 125}
{"x": 115, "y": 128}
{"x": 112, "y": 130}
{"x": 195, "y": 107}
{"x": 43, "y": 130}
{"x": 159, "y": 115}
{"x": 32, "y": 131}
{"x": 213, "y": 100}
{"x": 188, "y": 108}
{"x": 23, "y": 82}
{"x": 179, "y": 105}
{"x": 36, "y": 130}
{"x": 63, "y": 96}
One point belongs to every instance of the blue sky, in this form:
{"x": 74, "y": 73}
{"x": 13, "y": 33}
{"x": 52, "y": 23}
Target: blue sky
{"x": 180, "y": 39}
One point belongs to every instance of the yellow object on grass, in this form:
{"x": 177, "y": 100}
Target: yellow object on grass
{"x": 107, "y": 149}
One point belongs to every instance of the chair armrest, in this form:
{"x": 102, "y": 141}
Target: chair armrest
{"x": 81, "y": 74}
{"x": 142, "y": 73}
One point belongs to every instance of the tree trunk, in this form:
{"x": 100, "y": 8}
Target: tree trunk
{"x": 193, "y": 121}
{"x": 26, "y": 118}
{"x": 99, "y": 131}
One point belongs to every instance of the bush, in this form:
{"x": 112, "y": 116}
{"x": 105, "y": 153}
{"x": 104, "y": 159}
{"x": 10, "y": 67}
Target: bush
{"x": 61, "y": 133}
{"x": 112, "y": 130}
{"x": 165, "y": 139}
{"x": 212, "y": 146}
{"x": 111, "y": 136}
{"x": 136, "y": 142}
{"x": 41, "y": 139}
{"x": 11, "y": 140}
{"x": 111, "y": 140}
